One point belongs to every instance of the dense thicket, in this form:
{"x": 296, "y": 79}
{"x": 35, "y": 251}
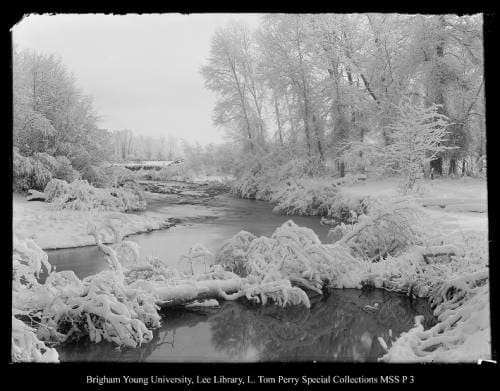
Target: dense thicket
{"x": 325, "y": 87}
{"x": 55, "y": 127}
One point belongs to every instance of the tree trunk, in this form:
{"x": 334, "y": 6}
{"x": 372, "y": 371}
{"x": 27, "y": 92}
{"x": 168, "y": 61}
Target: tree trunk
{"x": 306, "y": 119}
{"x": 278, "y": 121}
{"x": 453, "y": 167}
{"x": 437, "y": 166}
{"x": 318, "y": 138}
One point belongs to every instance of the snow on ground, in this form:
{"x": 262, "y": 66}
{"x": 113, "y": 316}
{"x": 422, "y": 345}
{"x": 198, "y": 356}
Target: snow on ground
{"x": 451, "y": 202}
{"x": 51, "y": 228}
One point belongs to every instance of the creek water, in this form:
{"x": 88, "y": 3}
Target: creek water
{"x": 337, "y": 327}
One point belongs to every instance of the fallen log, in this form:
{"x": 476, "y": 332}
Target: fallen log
{"x": 35, "y": 195}
{"x": 186, "y": 293}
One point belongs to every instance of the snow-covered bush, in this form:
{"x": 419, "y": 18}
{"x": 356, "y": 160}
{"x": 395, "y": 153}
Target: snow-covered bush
{"x": 100, "y": 307}
{"x": 384, "y": 228}
{"x": 292, "y": 253}
{"x": 259, "y": 177}
{"x": 26, "y": 347}
{"x": 50, "y": 162}
{"x": 316, "y": 197}
{"x": 56, "y": 188}
{"x": 28, "y": 173}
{"x": 80, "y": 195}
{"x": 462, "y": 334}
{"x": 35, "y": 172}
{"x": 95, "y": 175}
{"x": 297, "y": 187}
{"x": 117, "y": 175}
{"x": 232, "y": 254}
{"x": 65, "y": 170}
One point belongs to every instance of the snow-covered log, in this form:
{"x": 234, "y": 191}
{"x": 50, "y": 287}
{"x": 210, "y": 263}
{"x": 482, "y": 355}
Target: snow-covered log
{"x": 35, "y": 195}
{"x": 196, "y": 291}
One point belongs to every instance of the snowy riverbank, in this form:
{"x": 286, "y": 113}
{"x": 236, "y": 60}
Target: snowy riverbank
{"x": 51, "y": 228}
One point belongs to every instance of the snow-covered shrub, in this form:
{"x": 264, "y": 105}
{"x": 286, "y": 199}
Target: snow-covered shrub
{"x": 198, "y": 258}
{"x": 384, "y": 228}
{"x": 65, "y": 170}
{"x": 246, "y": 187}
{"x": 28, "y": 173}
{"x": 100, "y": 307}
{"x": 26, "y": 347}
{"x": 315, "y": 197}
{"x": 258, "y": 177}
{"x": 232, "y": 254}
{"x": 80, "y": 195}
{"x": 50, "y": 162}
{"x": 94, "y": 175}
{"x": 462, "y": 334}
{"x": 56, "y": 188}
{"x": 118, "y": 175}
{"x": 292, "y": 253}
{"x": 59, "y": 167}
{"x": 296, "y": 187}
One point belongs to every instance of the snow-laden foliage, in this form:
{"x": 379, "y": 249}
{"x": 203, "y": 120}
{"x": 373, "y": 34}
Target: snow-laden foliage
{"x": 457, "y": 287}
{"x": 462, "y": 334}
{"x": 100, "y": 307}
{"x": 294, "y": 192}
{"x": 446, "y": 275}
{"x": 26, "y": 347}
{"x": 35, "y": 172}
{"x": 121, "y": 305}
{"x": 417, "y": 137}
{"x": 65, "y": 170}
{"x": 311, "y": 197}
{"x": 258, "y": 178}
{"x": 80, "y": 195}
{"x": 385, "y": 228}
{"x": 232, "y": 254}
{"x": 294, "y": 253}
{"x": 28, "y": 173}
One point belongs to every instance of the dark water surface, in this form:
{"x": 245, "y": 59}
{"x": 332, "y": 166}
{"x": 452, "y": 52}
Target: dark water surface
{"x": 337, "y": 327}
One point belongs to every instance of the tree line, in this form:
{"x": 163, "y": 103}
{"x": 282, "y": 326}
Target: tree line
{"x": 321, "y": 84}
{"x": 56, "y": 130}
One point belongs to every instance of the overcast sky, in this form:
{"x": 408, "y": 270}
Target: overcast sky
{"x": 141, "y": 70}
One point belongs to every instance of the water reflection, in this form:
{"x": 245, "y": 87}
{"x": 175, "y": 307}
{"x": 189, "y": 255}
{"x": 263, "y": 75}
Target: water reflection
{"x": 336, "y": 328}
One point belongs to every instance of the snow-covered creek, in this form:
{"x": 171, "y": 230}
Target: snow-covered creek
{"x": 337, "y": 327}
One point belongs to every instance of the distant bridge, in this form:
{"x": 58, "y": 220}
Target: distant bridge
{"x": 149, "y": 164}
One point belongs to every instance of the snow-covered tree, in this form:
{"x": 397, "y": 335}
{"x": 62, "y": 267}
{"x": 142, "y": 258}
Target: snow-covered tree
{"x": 418, "y": 136}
